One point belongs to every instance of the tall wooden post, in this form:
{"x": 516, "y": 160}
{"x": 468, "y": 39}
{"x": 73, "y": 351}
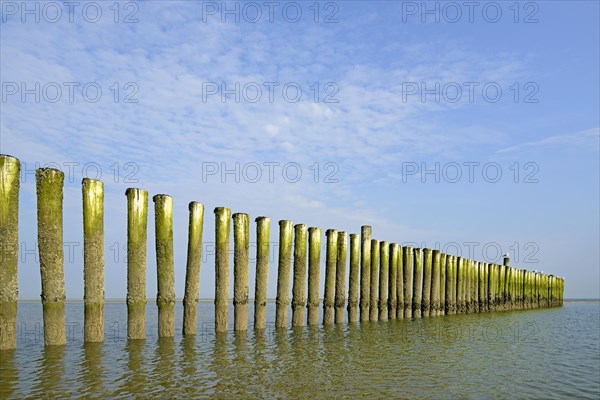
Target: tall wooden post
{"x": 314, "y": 256}
{"x": 374, "y": 279}
{"x": 241, "y": 254}
{"x": 365, "y": 272}
{"x": 330, "y": 270}
{"x": 299, "y": 285}
{"x": 222, "y": 232}
{"x": 340, "y": 277}
{"x": 263, "y": 232}
{"x": 283, "y": 274}
{"x": 354, "y": 278}
{"x": 192, "y": 270}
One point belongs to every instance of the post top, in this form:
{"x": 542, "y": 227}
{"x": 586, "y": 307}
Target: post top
{"x": 262, "y": 218}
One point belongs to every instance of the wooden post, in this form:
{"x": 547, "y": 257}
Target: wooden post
{"x": 283, "y": 274}
{"x": 384, "y": 265}
{"x": 365, "y": 272}
{"x": 354, "y": 278}
{"x": 400, "y": 284}
{"x": 314, "y": 256}
{"x": 374, "y": 279}
{"x": 468, "y": 286}
{"x": 192, "y": 269}
{"x": 393, "y": 281}
{"x": 460, "y": 285}
{"x": 137, "y": 235}
{"x": 222, "y": 232}
{"x": 10, "y": 174}
{"x": 427, "y": 271}
{"x": 263, "y": 231}
{"x": 443, "y": 260}
{"x": 241, "y": 254}
{"x": 299, "y": 285}
{"x": 481, "y": 287}
{"x": 330, "y": 270}
{"x": 93, "y": 259}
{"x": 408, "y": 280}
{"x": 49, "y": 184}
{"x": 165, "y": 264}
{"x": 435, "y": 283}
{"x": 450, "y": 284}
{"x": 417, "y": 283}
{"x": 340, "y": 277}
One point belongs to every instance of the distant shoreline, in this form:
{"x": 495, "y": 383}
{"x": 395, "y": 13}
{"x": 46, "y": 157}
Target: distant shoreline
{"x": 249, "y": 300}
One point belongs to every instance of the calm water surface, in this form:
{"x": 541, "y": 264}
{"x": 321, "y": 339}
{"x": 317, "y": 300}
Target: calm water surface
{"x": 536, "y": 354}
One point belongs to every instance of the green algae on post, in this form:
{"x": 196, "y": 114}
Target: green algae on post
{"x": 165, "y": 264}
{"x": 450, "y": 285}
{"x": 49, "y": 185}
{"x": 314, "y": 270}
{"x": 330, "y": 270}
{"x": 374, "y": 291}
{"x": 93, "y": 260}
{"x": 400, "y": 285}
{"x": 192, "y": 270}
{"x": 10, "y": 172}
{"x": 393, "y": 282}
{"x": 407, "y": 264}
{"x": 384, "y": 266}
{"x": 442, "y": 308}
{"x": 435, "y": 283}
{"x": 481, "y": 287}
{"x": 222, "y": 232}
{"x": 137, "y": 228}
{"x": 283, "y": 273}
{"x": 241, "y": 253}
{"x": 354, "y": 278}
{"x": 299, "y": 285}
{"x": 340, "y": 277}
{"x": 460, "y": 285}
{"x": 426, "y": 291}
{"x": 468, "y": 299}
{"x": 365, "y": 272}
{"x": 263, "y": 231}
{"x": 417, "y": 282}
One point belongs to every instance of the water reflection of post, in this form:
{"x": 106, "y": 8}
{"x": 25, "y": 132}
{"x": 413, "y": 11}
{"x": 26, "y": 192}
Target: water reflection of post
{"x": 91, "y": 370}
{"x": 51, "y": 376}
{"x": 10, "y": 374}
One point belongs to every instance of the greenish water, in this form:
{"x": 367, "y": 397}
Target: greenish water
{"x": 534, "y": 354}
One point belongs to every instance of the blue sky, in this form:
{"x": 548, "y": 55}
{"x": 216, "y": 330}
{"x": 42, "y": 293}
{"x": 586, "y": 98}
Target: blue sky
{"x": 388, "y": 107}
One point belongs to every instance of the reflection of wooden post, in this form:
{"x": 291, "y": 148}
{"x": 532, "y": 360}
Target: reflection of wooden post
{"x": 10, "y": 173}
{"x": 392, "y": 296}
{"x": 299, "y": 285}
{"x": 263, "y": 230}
{"x": 283, "y": 273}
{"x": 49, "y": 183}
{"x": 374, "y": 279}
{"x": 192, "y": 270}
{"x": 384, "y": 264}
{"x": 340, "y": 277}
{"x": 314, "y": 256}
{"x": 408, "y": 280}
{"x": 354, "y": 278}
{"x": 330, "y": 269}
{"x": 222, "y": 229}
{"x": 427, "y": 271}
{"x": 241, "y": 249}
{"x": 435, "y": 283}
{"x": 365, "y": 272}
{"x": 93, "y": 259}
{"x": 417, "y": 283}
{"x": 400, "y": 284}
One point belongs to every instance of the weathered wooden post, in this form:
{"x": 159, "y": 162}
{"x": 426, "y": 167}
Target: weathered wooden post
{"x": 393, "y": 281}
{"x": 222, "y": 232}
{"x": 417, "y": 282}
{"x": 49, "y": 184}
{"x": 93, "y": 259}
{"x": 468, "y": 285}
{"x": 10, "y": 173}
{"x": 340, "y": 277}
{"x": 330, "y": 270}
{"x": 450, "y": 284}
{"x": 353, "y": 278}
{"x": 137, "y": 235}
{"x": 481, "y": 287}
{"x": 299, "y": 284}
{"x": 400, "y": 284}
{"x": 374, "y": 279}
{"x": 384, "y": 266}
{"x": 263, "y": 231}
{"x": 407, "y": 266}
{"x": 165, "y": 264}
{"x": 365, "y": 272}
{"x": 502, "y": 287}
{"x": 443, "y": 260}
{"x": 314, "y": 266}
{"x": 283, "y": 274}
{"x": 192, "y": 268}
{"x": 427, "y": 271}
{"x": 460, "y": 285}
{"x": 241, "y": 254}
{"x": 435, "y": 283}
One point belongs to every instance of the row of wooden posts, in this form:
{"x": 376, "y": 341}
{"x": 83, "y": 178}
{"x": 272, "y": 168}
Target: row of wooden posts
{"x": 386, "y": 280}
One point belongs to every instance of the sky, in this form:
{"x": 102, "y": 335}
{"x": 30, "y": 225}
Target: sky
{"x": 469, "y": 127}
